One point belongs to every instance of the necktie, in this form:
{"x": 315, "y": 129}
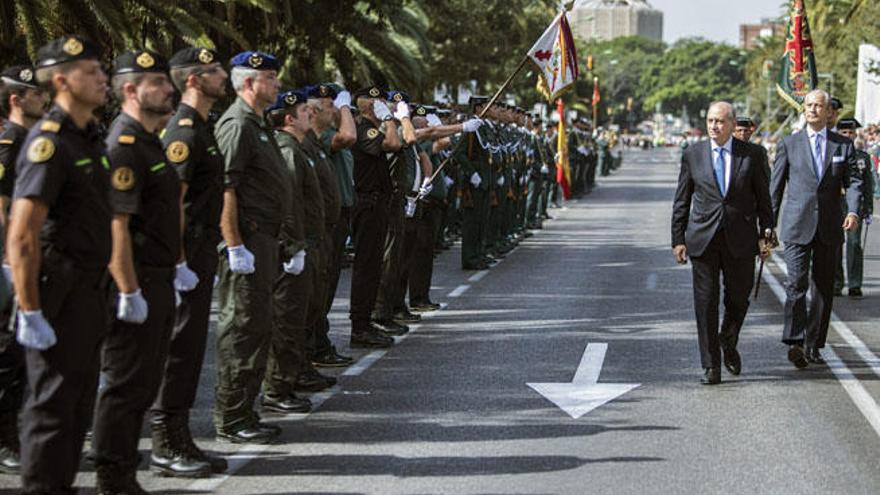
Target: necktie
{"x": 719, "y": 170}
{"x": 817, "y": 159}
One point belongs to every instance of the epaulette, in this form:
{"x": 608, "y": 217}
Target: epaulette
{"x": 50, "y": 126}
{"x": 185, "y": 122}
{"x": 126, "y": 139}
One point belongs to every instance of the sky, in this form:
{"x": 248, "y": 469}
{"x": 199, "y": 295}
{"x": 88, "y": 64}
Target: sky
{"x": 716, "y": 20}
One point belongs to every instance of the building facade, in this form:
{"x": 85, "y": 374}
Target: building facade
{"x": 609, "y": 19}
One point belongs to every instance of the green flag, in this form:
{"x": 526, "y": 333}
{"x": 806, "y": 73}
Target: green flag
{"x": 797, "y": 75}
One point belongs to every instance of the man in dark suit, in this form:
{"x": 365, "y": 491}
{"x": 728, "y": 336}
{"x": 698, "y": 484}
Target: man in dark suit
{"x": 816, "y": 163}
{"x": 727, "y": 182}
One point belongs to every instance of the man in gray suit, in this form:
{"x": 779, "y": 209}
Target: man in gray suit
{"x": 816, "y": 163}
{"x": 727, "y": 183}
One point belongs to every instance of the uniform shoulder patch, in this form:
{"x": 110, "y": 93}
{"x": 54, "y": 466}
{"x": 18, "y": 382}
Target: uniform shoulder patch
{"x": 6, "y": 141}
{"x": 40, "y": 150}
{"x": 126, "y": 139}
{"x": 177, "y": 151}
{"x": 123, "y": 179}
{"x": 50, "y": 126}
{"x": 2, "y": 170}
{"x": 372, "y": 133}
{"x": 185, "y": 122}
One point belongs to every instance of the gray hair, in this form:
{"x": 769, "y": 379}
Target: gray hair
{"x": 239, "y": 74}
{"x": 119, "y": 81}
{"x": 819, "y": 92}
{"x": 725, "y": 104}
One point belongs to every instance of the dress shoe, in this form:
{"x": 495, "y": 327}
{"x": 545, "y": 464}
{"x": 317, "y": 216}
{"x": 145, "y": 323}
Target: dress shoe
{"x": 812, "y": 355}
{"x": 389, "y": 327}
{"x": 797, "y": 357}
{"x": 331, "y": 359}
{"x": 286, "y": 405}
{"x": 404, "y": 317}
{"x": 855, "y": 292}
{"x": 170, "y": 456}
{"x": 712, "y": 376}
{"x": 10, "y": 462}
{"x": 732, "y": 361}
{"x": 256, "y": 433}
{"x": 312, "y": 381}
{"x": 424, "y": 307}
{"x": 370, "y": 338}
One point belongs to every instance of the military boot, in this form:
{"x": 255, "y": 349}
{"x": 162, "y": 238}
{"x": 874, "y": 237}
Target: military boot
{"x": 189, "y": 447}
{"x": 10, "y": 462}
{"x": 169, "y": 457}
{"x": 114, "y": 479}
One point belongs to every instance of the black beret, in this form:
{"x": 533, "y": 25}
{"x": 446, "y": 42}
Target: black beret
{"x": 836, "y": 103}
{"x": 192, "y": 56}
{"x": 255, "y": 60}
{"x": 21, "y": 75}
{"x": 323, "y": 90}
{"x": 745, "y": 121}
{"x": 66, "y": 49}
{"x": 419, "y": 110}
{"x": 139, "y": 61}
{"x": 371, "y": 91}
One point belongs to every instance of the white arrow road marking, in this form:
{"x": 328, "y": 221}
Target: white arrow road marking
{"x": 584, "y": 393}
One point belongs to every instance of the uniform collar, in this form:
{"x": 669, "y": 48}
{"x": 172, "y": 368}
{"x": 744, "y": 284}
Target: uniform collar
{"x": 247, "y": 111}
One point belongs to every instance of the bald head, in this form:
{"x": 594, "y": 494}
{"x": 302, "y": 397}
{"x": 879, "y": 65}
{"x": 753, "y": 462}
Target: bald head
{"x": 720, "y": 121}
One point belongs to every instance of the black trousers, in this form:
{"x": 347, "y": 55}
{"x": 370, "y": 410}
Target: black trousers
{"x": 12, "y": 376}
{"x": 421, "y": 264}
{"x": 809, "y": 266}
{"x": 63, "y": 380}
{"x": 133, "y": 358}
{"x": 738, "y": 274}
{"x": 186, "y": 348}
{"x": 334, "y": 269}
{"x": 369, "y": 228}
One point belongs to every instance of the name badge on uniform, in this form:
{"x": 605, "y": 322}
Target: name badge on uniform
{"x": 836, "y": 159}
{"x": 264, "y": 138}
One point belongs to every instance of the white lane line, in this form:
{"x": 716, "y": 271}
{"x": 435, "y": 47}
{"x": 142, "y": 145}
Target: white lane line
{"x": 843, "y": 330}
{"x": 363, "y": 363}
{"x": 478, "y": 276}
{"x": 853, "y": 387}
{"x": 458, "y": 291}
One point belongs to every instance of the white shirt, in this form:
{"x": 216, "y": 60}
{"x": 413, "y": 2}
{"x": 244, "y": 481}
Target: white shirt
{"x": 823, "y": 145}
{"x": 728, "y": 154}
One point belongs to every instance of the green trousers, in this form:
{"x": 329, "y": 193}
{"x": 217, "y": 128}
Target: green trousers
{"x": 392, "y": 263}
{"x": 473, "y": 228}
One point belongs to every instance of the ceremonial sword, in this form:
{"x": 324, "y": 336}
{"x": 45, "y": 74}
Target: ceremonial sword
{"x": 767, "y": 234}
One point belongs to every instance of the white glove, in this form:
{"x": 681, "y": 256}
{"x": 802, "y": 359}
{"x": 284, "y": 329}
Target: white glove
{"x": 433, "y": 120}
{"x": 582, "y": 150}
{"x": 34, "y": 331}
{"x": 426, "y": 188}
{"x": 545, "y": 169}
{"x": 177, "y": 299}
{"x": 381, "y": 110}
{"x": 132, "y": 308}
{"x": 476, "y": 180}
{"x": 500, "y": 181}
{"x": 185, "y": 279}
{"x": 240, "y": 260}
{"x": 343, "y": 99}
{"x": 471, "y": 125}
{"x": 297, "y": 263}
{"x": 448, "y": 181}
{"x": 402, "y": 111}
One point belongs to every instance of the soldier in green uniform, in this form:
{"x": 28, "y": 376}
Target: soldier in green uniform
{"x": 145, "y": 200}
{"x": 22, "y": 103}
{"x": 473, "y": 159}
{"x": 59, "y": 246}
{"x": 297, "y": 290}
{"x": 191, "y": 149}
{"x": 255, "y": 204}
{"x": 855, "y": 254}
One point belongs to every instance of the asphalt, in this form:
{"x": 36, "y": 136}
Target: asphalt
{"x": 448, "y": 410}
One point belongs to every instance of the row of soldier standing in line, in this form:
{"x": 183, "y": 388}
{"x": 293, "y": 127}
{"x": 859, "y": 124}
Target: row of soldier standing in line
{"x": 152, "y": 211}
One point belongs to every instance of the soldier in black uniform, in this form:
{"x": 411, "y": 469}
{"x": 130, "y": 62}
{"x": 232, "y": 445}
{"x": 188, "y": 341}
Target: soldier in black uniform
{"x": 145, "y": 199}
{"x": 59, "y": 246}
{"x": 22, "y": 103}
{"x": 372, "y": 185}
{"x": 190, "y": 148}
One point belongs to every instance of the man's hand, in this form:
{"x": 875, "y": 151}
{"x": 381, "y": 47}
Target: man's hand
{"x": 185, "y": 279}
{"x": 380, "y": 109}
{"x": 132, "y": 308}
{"x": 851, "y": 222}
{"x": 34, "y": 331}
{"x": 471, "y": 125}
{"x": 241, "y": 260}
{"x": 402, "y": 111}
{"x": 680, "y": 253}
{"x": 343, "y": 99}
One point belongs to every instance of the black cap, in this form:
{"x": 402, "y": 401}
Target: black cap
{"x": 139, "y": 61}
{"x": 255, "y": 60}
{"x": 836, "y": 103}
{"x": 745, "y": 122}
{"x": 193, "y": 56}
{"x": 849, "y": 124}
{"x": 66, "y": 49}
{"x": 478, "y": 100}
{"x": 19, "y": 75}
{"x": 371, "y": 91}
{"x": 324, "y": 90}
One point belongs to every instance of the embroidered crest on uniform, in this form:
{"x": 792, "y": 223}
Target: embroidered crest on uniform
{"x": 72, "y": 47}
{"x": 40, "y": 150}
{"x": 126, "y": 139}
{"x": 290, "y": 99}
{"x": 50, "y": 126}
{"x": 255, "y": 61}
{"x": 372, "y": 133}
{"x": 185, "y": 122}
{"x": 421, "y": 111}
{"x": 206, "y": 57}
{"x": 26, "y": 75}
{"x": 177, "y": 152}
{"x": 123, "y": 179}
{"x": 374, "y": 92}
{"x": 145, "y": 60}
